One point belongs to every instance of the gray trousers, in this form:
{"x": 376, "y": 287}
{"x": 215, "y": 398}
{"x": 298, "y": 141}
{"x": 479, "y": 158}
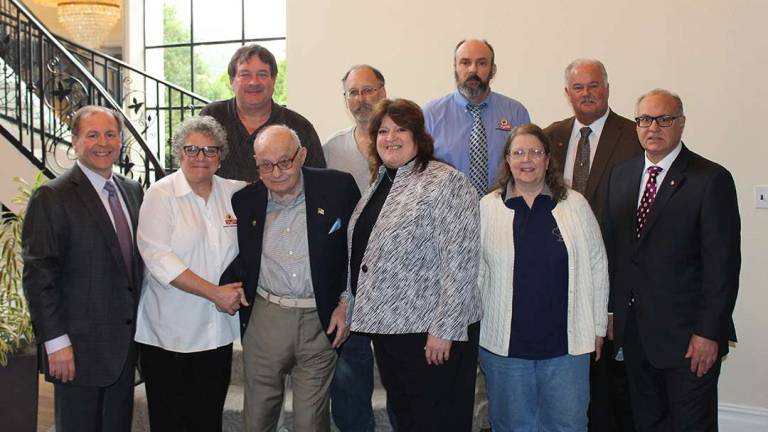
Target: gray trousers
{"x": 280, "y": 342}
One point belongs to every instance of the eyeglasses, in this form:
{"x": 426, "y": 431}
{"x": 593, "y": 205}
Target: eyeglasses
{"x": 533, "y": 153}
{"x": 208, "y": 151}
{"x": 662, "y": 120}
{"x": 283, "y": 164}
{"x": 365, "y": 92}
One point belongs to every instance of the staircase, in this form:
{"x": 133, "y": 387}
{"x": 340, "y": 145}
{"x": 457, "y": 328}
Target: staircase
{"x": 46, "y": 79}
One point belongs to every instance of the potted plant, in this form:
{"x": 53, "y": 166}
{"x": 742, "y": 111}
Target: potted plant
{"x": 18, "y": 358}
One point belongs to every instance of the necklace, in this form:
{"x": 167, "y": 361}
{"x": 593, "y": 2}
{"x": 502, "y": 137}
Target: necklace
{"x": 391, "y": 178}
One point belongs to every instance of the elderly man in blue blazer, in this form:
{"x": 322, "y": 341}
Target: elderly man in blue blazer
{"x": 291, "y": 228}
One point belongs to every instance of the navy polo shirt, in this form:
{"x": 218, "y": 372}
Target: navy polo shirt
{"x": 540, "y": 300}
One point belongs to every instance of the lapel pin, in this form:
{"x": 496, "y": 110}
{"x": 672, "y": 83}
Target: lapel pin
{"x": 320, "y": 211}
{"x": 671, "y": 182}
{"x": 253, "y": 222}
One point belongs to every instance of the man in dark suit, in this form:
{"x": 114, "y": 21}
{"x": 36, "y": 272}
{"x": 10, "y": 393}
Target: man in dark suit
{"x": 82, "y": 277}
{"x": 292, "y": 232}
{"x": 586, "y": 159}
{"x": 672, "y": 232}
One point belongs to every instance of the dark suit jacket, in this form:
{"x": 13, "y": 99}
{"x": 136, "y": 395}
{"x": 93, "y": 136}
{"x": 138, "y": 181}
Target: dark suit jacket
{"x": 684, "y": 268}
{"x": 329, "y": 195}
{"x": 75, "y": 278}
{"x": 618, "y": 142}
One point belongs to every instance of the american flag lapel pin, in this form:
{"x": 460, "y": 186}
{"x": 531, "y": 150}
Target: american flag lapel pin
{"x": 321, "y": 211}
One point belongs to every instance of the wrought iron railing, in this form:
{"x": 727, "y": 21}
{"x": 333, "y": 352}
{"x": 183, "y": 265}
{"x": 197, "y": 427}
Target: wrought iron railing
{"x": 45, "y": 79}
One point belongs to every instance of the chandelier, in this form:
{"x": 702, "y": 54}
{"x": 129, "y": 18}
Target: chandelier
{"x": 88, "y": 21}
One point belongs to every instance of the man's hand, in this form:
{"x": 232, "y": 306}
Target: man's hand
{"x": 339, "y": 324}
{"x": 437, "y": 351}
{"x": 598, "y": 348}
{"x": 609, "y": 333}
{"x": 228, "y": 298}
{"x": 61, "y": 364}
{"x": 703, "y": 354}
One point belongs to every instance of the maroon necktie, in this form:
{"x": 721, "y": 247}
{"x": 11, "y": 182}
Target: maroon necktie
{"x": 121, "y": 227}
{"x": 649, "y": 194}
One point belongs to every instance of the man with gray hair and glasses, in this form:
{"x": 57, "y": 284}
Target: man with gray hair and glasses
{"x": 292, "y": 234}
{"x": 586, "y": 146}
{"x": 672, "y": 234}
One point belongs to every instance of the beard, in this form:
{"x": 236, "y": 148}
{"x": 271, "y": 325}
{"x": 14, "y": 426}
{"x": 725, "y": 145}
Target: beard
{"x": 363, "y": 112}
{"x": 472, "y": 92}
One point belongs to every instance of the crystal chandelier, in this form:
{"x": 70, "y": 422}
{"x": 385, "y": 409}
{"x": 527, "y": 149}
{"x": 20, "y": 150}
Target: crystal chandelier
{"x": 88, "y": 21}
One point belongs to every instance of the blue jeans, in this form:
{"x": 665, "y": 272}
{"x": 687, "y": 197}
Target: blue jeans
{"x": 352, "y": 386}
{"x": 549, "y": 395}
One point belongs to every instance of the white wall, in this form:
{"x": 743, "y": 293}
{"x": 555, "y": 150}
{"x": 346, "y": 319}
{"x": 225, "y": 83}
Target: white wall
{"x": 713, "y": 53}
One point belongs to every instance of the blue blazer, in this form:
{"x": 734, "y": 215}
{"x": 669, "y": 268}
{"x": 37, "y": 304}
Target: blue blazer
{"x": 330, "y": 195}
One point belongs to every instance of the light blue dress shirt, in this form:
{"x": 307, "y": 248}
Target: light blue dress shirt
{"x": 450, "y": 124}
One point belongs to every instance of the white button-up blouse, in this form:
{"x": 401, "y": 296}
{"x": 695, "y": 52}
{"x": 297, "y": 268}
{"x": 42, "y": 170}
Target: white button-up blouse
{"x": 178, "y": 230}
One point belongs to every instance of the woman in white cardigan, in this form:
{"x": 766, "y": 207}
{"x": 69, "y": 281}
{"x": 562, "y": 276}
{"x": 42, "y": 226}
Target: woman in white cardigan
{"x": 544, "y": 286}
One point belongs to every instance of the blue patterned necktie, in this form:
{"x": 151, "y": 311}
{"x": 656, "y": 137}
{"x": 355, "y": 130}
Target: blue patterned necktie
{"x": 478, "y": 150}
{"x": 121, "y": 227}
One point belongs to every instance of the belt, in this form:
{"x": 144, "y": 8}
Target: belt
{"x": 303, "y": 303}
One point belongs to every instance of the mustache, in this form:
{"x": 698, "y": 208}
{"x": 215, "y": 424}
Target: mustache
{"x": 363, "y": 108}
{"x": 473, "y": 77}
{"x": 588, "y": 99}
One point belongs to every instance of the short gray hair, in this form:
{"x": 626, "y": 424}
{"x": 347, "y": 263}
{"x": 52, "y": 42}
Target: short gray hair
{"x": 585, "y": 61}
{"x": 659, "y": 91}
{"x": 204, "y": 125}
{"x": 291, "y": 132}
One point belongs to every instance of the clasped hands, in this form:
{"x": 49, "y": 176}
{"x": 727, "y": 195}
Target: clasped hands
{"x": 228, "y": 298}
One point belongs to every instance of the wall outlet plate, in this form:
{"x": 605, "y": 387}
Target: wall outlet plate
{"x": 761, "y": 197}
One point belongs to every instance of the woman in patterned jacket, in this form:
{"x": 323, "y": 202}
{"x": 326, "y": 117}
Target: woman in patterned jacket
{"x": 414, "y": 259}
{"x": 540, "y": 242}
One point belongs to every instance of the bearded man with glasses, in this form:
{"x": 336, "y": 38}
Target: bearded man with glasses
{"x": 292, "y": 233}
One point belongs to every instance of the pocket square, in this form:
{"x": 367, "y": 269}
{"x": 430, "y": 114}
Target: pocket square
{"x": 336, "y": 226}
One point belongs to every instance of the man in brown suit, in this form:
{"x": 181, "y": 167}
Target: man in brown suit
{"x": 586, "y": 146}
{"x": 610, "y": 140}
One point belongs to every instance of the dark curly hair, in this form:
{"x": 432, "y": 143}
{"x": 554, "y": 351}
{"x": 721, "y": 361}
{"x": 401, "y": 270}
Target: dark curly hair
{"x": 553, "y": 178}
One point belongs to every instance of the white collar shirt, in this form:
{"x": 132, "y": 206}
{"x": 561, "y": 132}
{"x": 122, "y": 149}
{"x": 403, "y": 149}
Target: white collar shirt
{"x": 665, "y": 164}
{"x": 573, "y": 143}
{"x": 179, "y": 230}
{"x": 98, "y": 182}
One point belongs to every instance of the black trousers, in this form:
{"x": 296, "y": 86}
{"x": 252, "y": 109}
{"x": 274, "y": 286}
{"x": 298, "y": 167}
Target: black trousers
{"x": 96, "y": 409}
{"x": 670, "y": 399}
{"x": 185, "y": 391}
{"x": 610, "y": 409}
{"x": 427, "y": 397}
